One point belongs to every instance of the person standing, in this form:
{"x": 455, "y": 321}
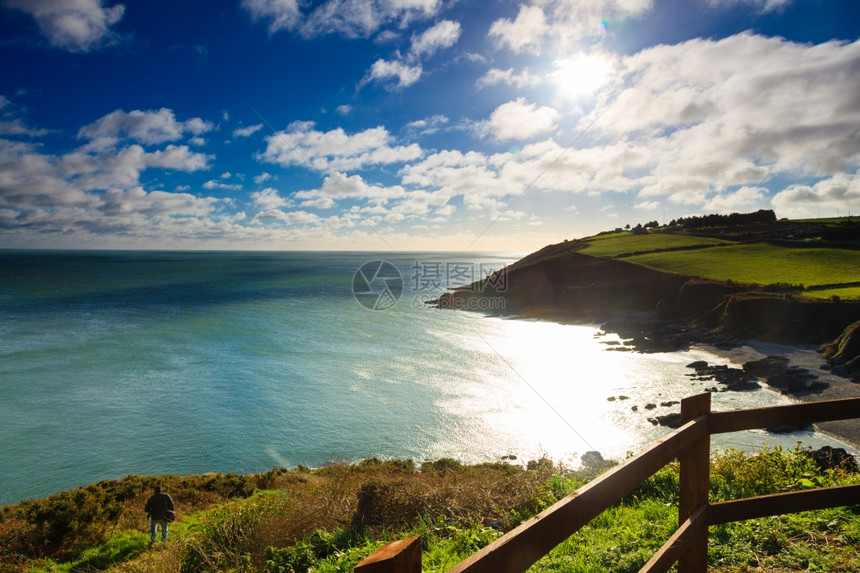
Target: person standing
{"x": 160, "y": 509}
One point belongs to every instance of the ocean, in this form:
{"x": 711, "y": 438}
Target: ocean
{"x": 142, "y": 362}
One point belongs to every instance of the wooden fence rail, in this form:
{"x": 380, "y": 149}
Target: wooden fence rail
{"x": 521, "y": 547}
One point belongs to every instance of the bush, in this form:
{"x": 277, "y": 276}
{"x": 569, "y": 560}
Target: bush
{"x": 63, "y": 524}
{"x": 224, "y": 538}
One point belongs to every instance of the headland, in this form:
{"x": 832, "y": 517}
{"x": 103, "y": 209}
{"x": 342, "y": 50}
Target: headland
{"x": 719, "y": 281}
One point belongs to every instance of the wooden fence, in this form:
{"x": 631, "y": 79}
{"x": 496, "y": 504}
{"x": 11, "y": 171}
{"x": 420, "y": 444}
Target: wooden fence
{"x": 521, "y": 547}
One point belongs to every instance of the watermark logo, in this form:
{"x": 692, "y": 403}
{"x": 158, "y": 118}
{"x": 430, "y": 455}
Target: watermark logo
{"x": 377, "y": 285}
{"x": 478, "y": 277}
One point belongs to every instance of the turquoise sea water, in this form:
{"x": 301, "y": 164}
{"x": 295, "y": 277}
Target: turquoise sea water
{"x": 117, "y": 363}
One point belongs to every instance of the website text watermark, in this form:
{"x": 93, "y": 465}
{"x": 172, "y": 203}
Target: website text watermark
{"x": 379, "y": 285}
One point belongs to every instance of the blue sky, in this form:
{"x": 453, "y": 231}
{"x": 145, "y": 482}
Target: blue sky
{"x": 417, "y": 124}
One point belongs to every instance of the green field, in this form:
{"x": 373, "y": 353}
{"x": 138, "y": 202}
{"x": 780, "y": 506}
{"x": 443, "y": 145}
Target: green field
{"x": 614, "y": 244}
{"x": 762, "y": 263}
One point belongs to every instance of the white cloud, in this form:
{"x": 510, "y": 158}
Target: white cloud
{"x": 137, "y": 201}
{"x": 268, "y": 198}
{"x": 474, "y": 176}
{"x": 524, "y": 34}
{"x": 147, "y": 127}
{"x": 761, "y": 5}
{"x": 45, "y": 195}
{"x": 215, "y": 184}
{"x": 443, "y": 35}
{"x": 283, "y": 14}
{"x": 744, "y": 199}
{"x": 178, "y": 157}
{"x": 287, "y": 217}
{"x": 840, "y": 193}
{"x": 73, "y": 25}
{"x": 348, "y": 18}
{"x": 707, "y": 116}
{"x": 384, "y": 70}
{"x": 647, "y": 205}
{"x": 518, "y": 120}
{"x": 89, "y": 171}
{"x": 344, "y": 109}
{"x": 335, "y": 150}
{"x": 262, "y": 178}
{"x": 17, "y": 127}
{"x": 560, "y": 24}
{"x": 340, "y": 186}
{"x": 31, "y": 180}
{"x": 495, "y": 76}
{"x": 406, "y": 71}
{"x": 319, "y": 203}
{"x": 247, "y": 131}
{"x": 428, "y": 125}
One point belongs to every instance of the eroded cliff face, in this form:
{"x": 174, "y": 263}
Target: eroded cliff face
{"x": 559, "y": 283}
{"x": 562, "y": 283}
{"x": 786, "y": 319}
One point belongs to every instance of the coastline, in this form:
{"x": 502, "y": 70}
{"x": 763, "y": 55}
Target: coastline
{"x": 644, "y": 332}
{"x": 804, "y": 365}
{"x": 653, "y": 310}
{"x": 807, "y": 357}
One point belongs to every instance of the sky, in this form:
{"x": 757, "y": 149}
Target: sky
{"x": 405, "y": 125}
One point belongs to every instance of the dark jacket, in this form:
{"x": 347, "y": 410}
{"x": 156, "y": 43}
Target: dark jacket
{"x": 157, "y": 505}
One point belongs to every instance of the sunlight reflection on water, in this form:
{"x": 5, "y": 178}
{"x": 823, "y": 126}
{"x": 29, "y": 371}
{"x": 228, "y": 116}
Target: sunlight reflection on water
{"x": 540, "y": 388}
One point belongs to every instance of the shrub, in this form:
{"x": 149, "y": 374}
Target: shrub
{"x": 224, "y": 538}
{"x": 63, "y": 524}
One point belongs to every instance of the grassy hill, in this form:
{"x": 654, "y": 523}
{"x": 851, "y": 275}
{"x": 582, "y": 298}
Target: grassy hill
{"x": 772, "y": 255}
{"x": 329, "y": 519}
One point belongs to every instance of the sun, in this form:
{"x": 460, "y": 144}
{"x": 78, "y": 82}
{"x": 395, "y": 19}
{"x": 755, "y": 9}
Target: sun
{"x": 581, "y": 75}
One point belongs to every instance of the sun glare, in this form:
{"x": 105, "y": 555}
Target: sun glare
{"x": 581, "y": 75}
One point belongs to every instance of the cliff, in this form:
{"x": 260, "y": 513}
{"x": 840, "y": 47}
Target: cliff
{"x": 560, "y": 283}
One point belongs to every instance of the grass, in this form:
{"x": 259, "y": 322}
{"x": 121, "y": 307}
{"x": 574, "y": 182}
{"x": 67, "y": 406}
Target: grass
{"x": 843, "y": 293}
{"x": 614, "y": 244}
{"x": 328, "y": 520}
{"x": 763, "y": 264}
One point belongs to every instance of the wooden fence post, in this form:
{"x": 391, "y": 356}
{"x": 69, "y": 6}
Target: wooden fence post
{"x": 695, "y": 470}
{"x": 402, "y": 556}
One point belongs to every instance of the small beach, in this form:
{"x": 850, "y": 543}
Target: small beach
{"x": 806, "y": 357}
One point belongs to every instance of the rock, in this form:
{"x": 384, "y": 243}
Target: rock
{"x": 650, "y": 406}
{"x": 844, "y": 352}
{"x": 743, "y": 386}
{"x": 787, "y": 379}
{"x": 611, "y": 399}
{"x": 768, "y": 366}
{"x": 669, "y": 420}
{"x": 635, "y": 408}
{"x": 827, "y": 458}
{"x": 734, "y": 379}
{"x": 788, "y": 429}
{"x": 669, "y": 403}
{"x": 698, "y": 365}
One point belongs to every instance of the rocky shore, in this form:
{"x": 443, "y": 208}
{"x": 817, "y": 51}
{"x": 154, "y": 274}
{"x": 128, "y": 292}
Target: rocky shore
{"x": 653, "y": 311}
